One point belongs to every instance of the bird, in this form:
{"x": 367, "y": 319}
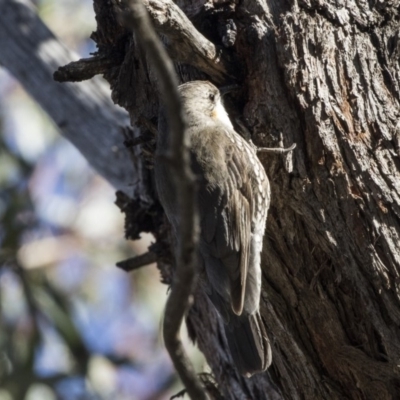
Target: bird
{"x": 233, "y": 197}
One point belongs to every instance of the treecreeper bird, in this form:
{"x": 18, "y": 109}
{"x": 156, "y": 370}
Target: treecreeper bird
{"x": 233, "y": 199}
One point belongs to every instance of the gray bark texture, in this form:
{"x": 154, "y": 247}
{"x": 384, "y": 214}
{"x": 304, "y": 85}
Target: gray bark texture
{"x": 325, "y": 75}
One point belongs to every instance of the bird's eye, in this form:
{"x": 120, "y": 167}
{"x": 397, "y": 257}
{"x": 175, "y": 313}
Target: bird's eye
{"x": 211, "y": 96}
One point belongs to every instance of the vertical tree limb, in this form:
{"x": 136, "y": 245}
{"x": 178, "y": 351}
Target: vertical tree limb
{"x": 177, "y": 160}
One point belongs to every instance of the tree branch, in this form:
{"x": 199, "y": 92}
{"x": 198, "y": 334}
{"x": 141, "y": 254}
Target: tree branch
{"x": 178, "y": 161}
{"x": 186, "y": 44}
{"x": 84, "y": 113}
{"x": 83, "y": 69}
{"x": 183, "y": 41}
{"x": 137, "y": 262}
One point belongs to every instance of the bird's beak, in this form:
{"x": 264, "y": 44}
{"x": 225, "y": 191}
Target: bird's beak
{"x": 228, "y": 89}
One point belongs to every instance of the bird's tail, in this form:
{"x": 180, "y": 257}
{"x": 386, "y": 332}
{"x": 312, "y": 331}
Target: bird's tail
{"x": 249, "y": 343}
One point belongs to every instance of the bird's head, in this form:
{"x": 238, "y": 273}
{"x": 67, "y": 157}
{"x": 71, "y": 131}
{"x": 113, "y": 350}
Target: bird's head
{"x": 203, "y": 101}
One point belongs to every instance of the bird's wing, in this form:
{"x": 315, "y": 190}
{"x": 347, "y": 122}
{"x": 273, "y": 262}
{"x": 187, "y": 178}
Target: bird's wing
{"x": 230, "y": 193}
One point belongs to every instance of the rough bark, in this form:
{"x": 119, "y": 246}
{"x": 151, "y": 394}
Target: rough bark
{"x": 323, "y": 74}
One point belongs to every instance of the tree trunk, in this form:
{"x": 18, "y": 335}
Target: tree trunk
{"x": 323, "y": 74}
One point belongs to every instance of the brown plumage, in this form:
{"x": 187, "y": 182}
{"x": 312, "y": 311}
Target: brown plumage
{"x": 233, "y": 199}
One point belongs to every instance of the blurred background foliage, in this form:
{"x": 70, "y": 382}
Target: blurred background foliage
{"x": 72, "y": 326}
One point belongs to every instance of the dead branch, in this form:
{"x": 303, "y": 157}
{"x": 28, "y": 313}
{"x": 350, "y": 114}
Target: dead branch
{"x": 183, "y": 41}
{"x": 137, "y": 262}
{"x": 81, "y": 70}
{"x": 177, "y": 160}
{"x": 186, "y": 44}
